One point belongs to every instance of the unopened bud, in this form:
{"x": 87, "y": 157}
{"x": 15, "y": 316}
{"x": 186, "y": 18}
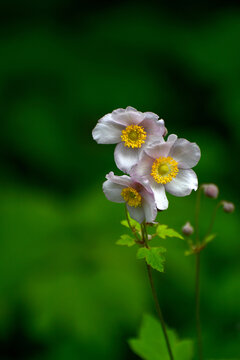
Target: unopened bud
{"x": 187, "y": 229}
{"x": 211, "y": 190}
{"x": 228, "y": 207}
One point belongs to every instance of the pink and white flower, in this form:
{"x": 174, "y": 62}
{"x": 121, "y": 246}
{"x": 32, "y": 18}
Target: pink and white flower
{"x": 132, "y": 130}
{"x": 135, "y": 193}
{"x": 167, "y": 167}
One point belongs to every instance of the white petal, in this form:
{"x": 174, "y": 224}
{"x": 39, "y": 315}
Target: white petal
{"x": 151, "y": 127}
{"x": 144, "y": 166}
{"x": 183, "y": 183}
{"x": 129, "y": 108}
{"x": 142, "y": 180}
{"x": 149, "y": 206}
{"x": 172, "y": 138}
{"x": 113, "y": 191}
{"x": 159, "y": 195}
{"x": 158, "y": 149}
{"x": 161, "y": 122}
{"x": 187, "y": 154}
{"x": 107, "y": 132}
{"x": 128, "y": 116}
{"x": 152, "y": 140}
{"x": 151, "y": 115}
{"x": 136, "y": 213}
{"x": 125, "y": 157}
{"x": 121, "y": 180}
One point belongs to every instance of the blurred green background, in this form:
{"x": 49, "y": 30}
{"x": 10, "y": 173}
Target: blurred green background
{"x": 66, "y": 290}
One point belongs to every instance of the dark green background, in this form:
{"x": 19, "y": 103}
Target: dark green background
{"x": 66, "y": 290}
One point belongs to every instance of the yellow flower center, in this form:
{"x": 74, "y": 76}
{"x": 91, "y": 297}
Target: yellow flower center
{"x": 134, "y": 136}
{"x": 131, "y": 196}
{"x": 164, "y": 169}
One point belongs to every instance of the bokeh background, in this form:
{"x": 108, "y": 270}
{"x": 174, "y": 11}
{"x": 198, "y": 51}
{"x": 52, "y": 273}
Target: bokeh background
{"x": 66, "y": 290}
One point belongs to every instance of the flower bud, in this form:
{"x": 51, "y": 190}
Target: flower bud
{"x": 228, "y": 207}
{"x": 187, "y": 229}
{"x": 211, "y": 190}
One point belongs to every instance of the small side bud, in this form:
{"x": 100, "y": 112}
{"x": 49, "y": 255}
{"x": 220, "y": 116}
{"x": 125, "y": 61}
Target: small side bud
{"x": 187, "y": 229}
{"x": 228, "y": 207}
{"x": 211, "y": 190}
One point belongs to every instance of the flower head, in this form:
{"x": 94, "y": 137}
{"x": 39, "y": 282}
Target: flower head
{"x": 167, "y": 167}
{"x": 135, "y": 193}
{"x": 228, "y": 207}
{"x": 132, "y": 130}
{"x": 211, "y": 190}
{"x": 187, "y": 229}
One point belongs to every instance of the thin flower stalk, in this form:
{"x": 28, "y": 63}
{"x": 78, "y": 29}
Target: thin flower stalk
{"x": 154, "y": 293}
{"x": 197, "y": 274}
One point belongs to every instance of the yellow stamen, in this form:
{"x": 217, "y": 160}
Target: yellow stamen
{"x": 134, "y": 136}
{"x": 131, "y": 196}
{"x": 164, "y": 169}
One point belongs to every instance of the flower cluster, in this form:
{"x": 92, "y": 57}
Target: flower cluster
{"x": 153, "y": 165}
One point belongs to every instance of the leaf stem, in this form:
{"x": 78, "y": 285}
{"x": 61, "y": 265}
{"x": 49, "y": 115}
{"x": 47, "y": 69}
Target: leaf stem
{"x": 198, "y": 323}
{"x": 159, "y": 312}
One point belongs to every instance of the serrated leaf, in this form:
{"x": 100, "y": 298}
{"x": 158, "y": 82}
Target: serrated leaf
{"x": 209, "y": 238}
{"x": 163, "y": 231}
{"x": 151, "y": 345}
{"x": 153, "y": 257}
{"x": 126, "y": 240}
{"x": 133, "y": 223}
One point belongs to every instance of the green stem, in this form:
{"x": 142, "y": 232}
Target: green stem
{"x": 198, "y": 323}
{"x": 144, "y": 234}
{"x": 197, "y": 213}
{"x": 130, "y": 226}
{"x": 213, "y": 219}
{"x": 197, "y": 291}
{"x": 159, "y": 312}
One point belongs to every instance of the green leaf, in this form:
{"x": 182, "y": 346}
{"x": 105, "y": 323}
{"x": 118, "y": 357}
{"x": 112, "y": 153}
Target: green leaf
{"x": 163, "y": 231}
{"x": 188, "y": 252}
{"x": 133, "y": 223}
{"x": 209, "y": 238}
{"x": 153, "y": 257}
{"x": 151, "y": 345}
{"x": 126, "y": 240}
